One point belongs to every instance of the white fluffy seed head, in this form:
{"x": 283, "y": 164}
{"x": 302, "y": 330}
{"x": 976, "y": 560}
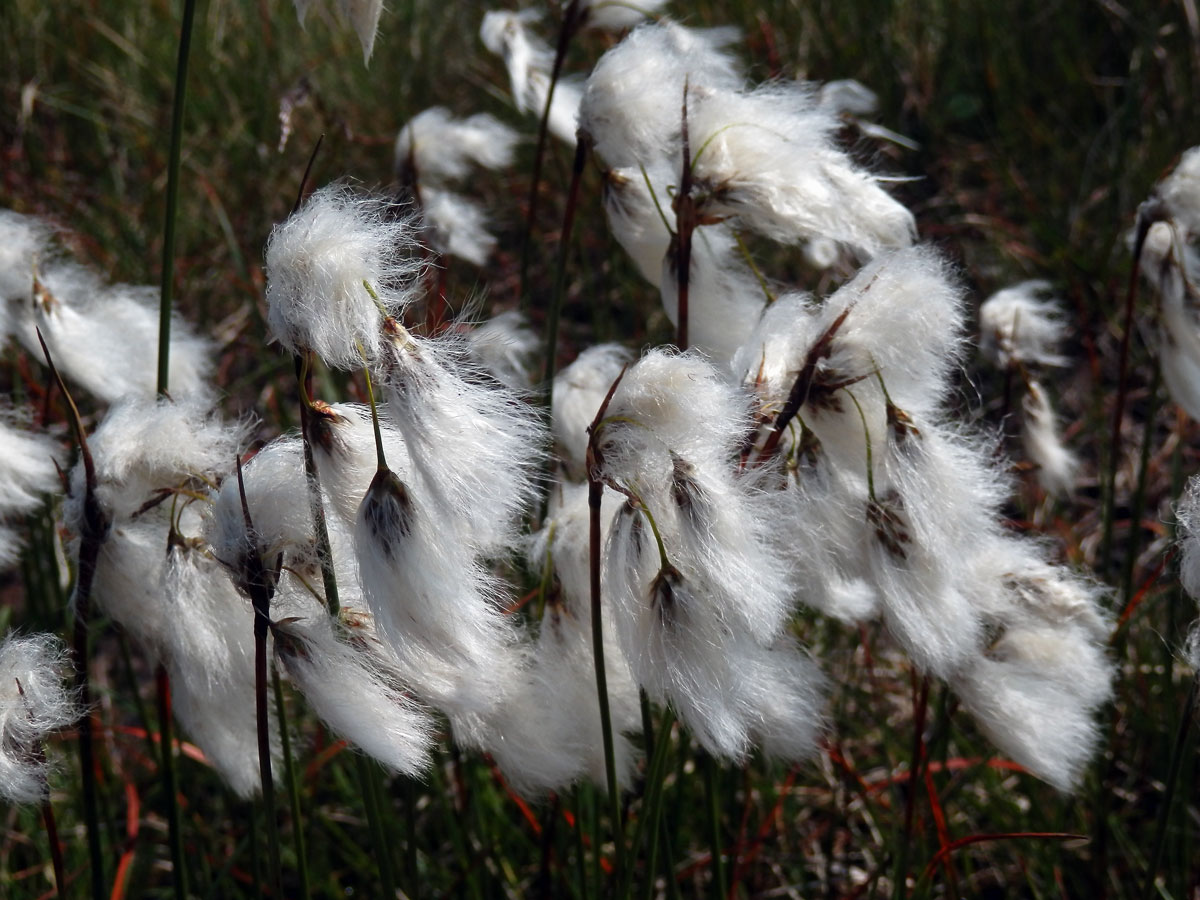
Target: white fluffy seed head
{"x": 507, "y": 348}
{"x": 456, "y": 225}
{"x": 1187, "y": 514}
{"x": 1018, "y": 325}
{"x": 1180, "y": 191}
{"x": 766, "y": 158}
{"x": 105, "y": 337}
{"x": 632, "y": 103}
{"x": 354, "y": 693}
{"x": 617, "y": 15}
{"x": 529, "y": 61}
{"x": 34, "y": 703}
{"x": 437, "y": 147}
{"x": 317, "y": 262}
{"x": 579, "y": 390}
{"x": 25, "y": 241}
{"x": 476, "y": 445}
{"x": 1057, "y": 465}
{"x": 146, "y": 445}
{"x": 27, "y": 465}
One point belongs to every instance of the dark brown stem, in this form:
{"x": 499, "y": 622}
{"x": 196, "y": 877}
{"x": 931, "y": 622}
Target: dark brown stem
{"x": 685, "y": 224}
{"x": 1149, "y": 213}
{"x": 93, "y": 530}
{"x": 56, "y": 851}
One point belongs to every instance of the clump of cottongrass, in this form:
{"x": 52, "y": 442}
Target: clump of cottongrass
{"x": 35, "y": 702}
{"x": 700, "y": 593}
{"x": 529, "y": 61}
{"x": 102, "y": 337}
{"x": 155, "y": 460}
{"x": 549, "y": 735}
{"x": 335, "y": 269}
{"x": 434, "y": 149}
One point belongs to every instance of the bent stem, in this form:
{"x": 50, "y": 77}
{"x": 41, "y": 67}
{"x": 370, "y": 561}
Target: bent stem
{"x": 560, "y": 274}
{"x": 92, "y": 534}
{"x": 595, "y": 497}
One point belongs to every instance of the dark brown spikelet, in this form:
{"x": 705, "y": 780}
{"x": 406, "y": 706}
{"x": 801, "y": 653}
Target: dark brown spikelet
{"x": 665, "y": 595}
{"x": 388, "y": 510}
{"x": 886, "y": 516}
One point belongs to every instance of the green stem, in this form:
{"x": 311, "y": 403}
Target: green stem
{"x": 289, "y": 773}
{"x": 1173, "y": 770}
{"x": 173, "y": 158}
{"x": 656, "y": 772}
{"x": 714, "y": 824}
{"x": 560, "y": 272}
{"x": 383, "y": 852}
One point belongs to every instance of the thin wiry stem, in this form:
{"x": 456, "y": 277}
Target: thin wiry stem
{"x": 595, "y": 497}
{"x": 1148, "y": 214}
{"x": 260, "y": 588}
{"x": 570, "y": 24}
{"x": 685, "y": 224}
{"x": 1172, "y": 782}
{"x": 56, "y": 850}
{"x": 379, "y": 841}
{"x": 162, "y": 690}
{"x": 560, "y": 274}
{"x": 93, "y": 530}
{"x": 289, "y": 774}
{"x": 713, "y": 811}
{"x": 173, "y": 158}
{"x": 920, "y": 706}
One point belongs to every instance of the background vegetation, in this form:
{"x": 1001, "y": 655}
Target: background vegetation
{"x": 1041, "y": 127}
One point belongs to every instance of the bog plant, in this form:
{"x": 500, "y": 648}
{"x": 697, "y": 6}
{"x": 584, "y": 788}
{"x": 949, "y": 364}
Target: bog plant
{"x": 572, "y": 573}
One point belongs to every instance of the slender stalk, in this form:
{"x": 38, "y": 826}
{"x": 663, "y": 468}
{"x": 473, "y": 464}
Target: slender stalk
{"x": 412, "y": 875}
{"x": 714, "y": 824}
{"x": 379, "y": 841}
{"x": 656, "y": 771}
{"x": 685, "y": 224}
{"x": 570, "y": 24}
{"x": 920, "y": 706}
{"x": 595, "y": 493}
{"x": 56, "y": 850}
{"x": 93, "y": 530}
{"x": 1138, "y": 505}
{"x": 1164, "y": 808}
{"x": 560, "y": 272}
{"x": 1146, "y": 217}
{"x": 259, "y": 584}
{"x": 580, "y": 849}
{"x": 316, "y": 504}
{"x": 162, "y": 690}
{"x": 173, "y": 158}
{"x": 595, "y": 496}
{"x": 289, "y": 773}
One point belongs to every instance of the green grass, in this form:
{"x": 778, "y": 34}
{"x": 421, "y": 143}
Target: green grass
{"x": 1041, "y": 128}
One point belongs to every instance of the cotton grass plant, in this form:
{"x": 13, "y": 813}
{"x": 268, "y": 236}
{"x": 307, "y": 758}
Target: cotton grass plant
{"x": 744, "y": 597}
